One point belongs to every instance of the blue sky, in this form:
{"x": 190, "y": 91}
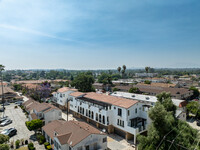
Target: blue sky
{"x": 99, "y": 34}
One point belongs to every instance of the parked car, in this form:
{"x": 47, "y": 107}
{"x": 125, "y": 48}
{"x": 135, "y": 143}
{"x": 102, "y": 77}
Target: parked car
{"x": 6, "y": 122}
{"x": 5, "y": 104}
{"x": 1, "y": 109}
{"x": 198, "y": 122}
{"x": 9, "y": 132}
{"x": 3, "y": 118}
{"x": 19, "y": 102}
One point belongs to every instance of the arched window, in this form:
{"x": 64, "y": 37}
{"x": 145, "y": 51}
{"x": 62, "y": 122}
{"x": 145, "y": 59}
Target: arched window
{"x": 96, "y": 117}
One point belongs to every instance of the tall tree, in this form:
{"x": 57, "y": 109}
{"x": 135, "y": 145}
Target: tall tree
{"x": 119, "y": 69}
{"x": 166, "y": 127}
{"x": 83, "y": 82}
{"x": 34, "y": 125}
{"x": 195, "y": 92}
{"x": 147, "y": 69}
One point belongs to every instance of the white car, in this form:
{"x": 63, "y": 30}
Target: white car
{"x": 6, "y": 122}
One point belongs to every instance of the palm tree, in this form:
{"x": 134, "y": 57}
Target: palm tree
{"x": 119, "y": 69}
{"x": 124, "y": 67}
{"x": 124, "y": 70}
{"x": 2, "y": 97}
{"x": 147, "y": 69}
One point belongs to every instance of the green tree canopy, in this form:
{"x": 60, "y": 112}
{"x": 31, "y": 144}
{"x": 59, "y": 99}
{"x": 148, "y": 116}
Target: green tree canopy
{"x": 166, "y": 125}
{"x": 83, "y": 82}
{"x": 134, "y": 90}
{"x": 147, "y": 82}
{"x": 195, "y": 92}
{"x": 4, "y": 147}
{"x": 194, "y": 108}
{"x": 3, "y": 138}
{"x": 105, "y": 78}
{"x": 34, "y": 125}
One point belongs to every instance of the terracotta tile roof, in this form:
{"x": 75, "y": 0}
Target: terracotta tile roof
{"x": 75, "y": 132}
{"x": 64, "y": 138}
{"x": 158, "y": 90}
{"x": 158, "y": 84}
{"x": 117, "y": 101}
{"x": 50, "y": 127}
{"x": 34, "y": 116}
{"x": 65, "y": 89}
{"x": 31, "y": 106}
{"x": 76, "y": 94}
{"x": 7, "y": 90}
{"x": 31, "y": 86}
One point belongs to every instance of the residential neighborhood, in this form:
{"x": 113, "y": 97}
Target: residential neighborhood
{"x": 99, "y": 75}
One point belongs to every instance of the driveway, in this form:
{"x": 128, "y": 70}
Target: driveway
{"x": 19, "y": 119}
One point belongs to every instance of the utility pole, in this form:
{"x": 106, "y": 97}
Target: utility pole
{"x": 2, "y": 97}
{"x": 67, "y": 109}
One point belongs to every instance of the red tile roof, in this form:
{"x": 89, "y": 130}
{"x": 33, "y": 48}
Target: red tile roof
{"x": 76, "y": 94}
{"x": 117, "y": 101}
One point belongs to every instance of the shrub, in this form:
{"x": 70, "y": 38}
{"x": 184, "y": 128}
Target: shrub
{"x": 15, "y": 107}
{"x": 4, "y": 147}
{"x": 49, "y": 147}
{"x": 42, "y": 139}
{"x": 17, "y": 143}
{"x": 31, "y": 146}
{"x": 46, "y": 144}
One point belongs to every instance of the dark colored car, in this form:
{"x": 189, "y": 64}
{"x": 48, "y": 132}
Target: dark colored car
{"x": 5, "y": 104}
{"x": 1, "y": 109}
{"x": 9, "y": 132}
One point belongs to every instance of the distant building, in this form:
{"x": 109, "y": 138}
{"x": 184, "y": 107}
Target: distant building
{"x": 146, "y": 74}
{"x": 74, "y": 135}
{"x": 178, "y": 93}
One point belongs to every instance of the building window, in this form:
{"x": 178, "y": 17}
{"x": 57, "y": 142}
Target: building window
{"x": 128, "y": 112}
{"x": 117, "y": 121}
{"x": 107, "y": 120}
{"x": 104, "y": 140}
{"x": 96, "y": 117}
{"x": 86, "y": 112}
{"x": 99, "y": 117}
{"x": 114, "y": 107}
{"x": 79, "y": 148}
{"x": 136, "y": 110}
{"x": 92, "y": 116}
{"x": 119, "y": 112}
{"x": 103, "y": 119}
{"x": 87, "y": 147}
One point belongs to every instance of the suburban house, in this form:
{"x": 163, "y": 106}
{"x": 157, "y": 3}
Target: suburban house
{"x": 74, "y": 135}
{"x": 151, "y": 100}
{"x": 43, "y": 111}
{"x": 9, "y": 95}
{"x": 110, "y": 113}
{"x": 145, "y": 75}
{"x": 60, "y": 97}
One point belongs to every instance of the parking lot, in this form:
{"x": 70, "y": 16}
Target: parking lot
{"x": 18, "y": 122}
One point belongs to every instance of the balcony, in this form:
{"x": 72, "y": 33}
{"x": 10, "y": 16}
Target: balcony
{"x": 138, "y": 123}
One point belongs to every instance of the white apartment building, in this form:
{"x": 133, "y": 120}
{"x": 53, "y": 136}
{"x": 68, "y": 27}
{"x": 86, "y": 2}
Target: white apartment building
{"x": 74, "y": 135}
{"x": 151, "y": 100}
{"x": 60, "y": 97}
{"x": 114, "y": 114}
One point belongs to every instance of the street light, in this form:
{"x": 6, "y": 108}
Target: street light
{"x": 2, "y": 97}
